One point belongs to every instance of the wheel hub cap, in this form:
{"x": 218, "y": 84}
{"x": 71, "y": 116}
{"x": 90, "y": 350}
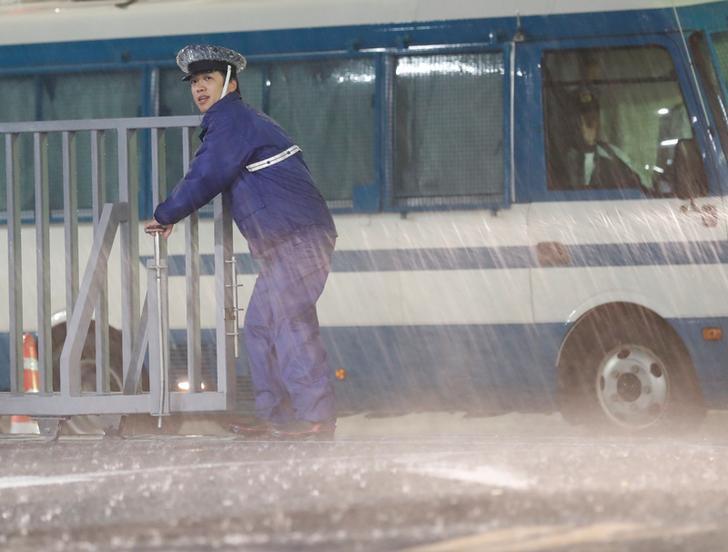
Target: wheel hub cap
{"x": 629, "y": 387}
{"x": 632, "y": 386}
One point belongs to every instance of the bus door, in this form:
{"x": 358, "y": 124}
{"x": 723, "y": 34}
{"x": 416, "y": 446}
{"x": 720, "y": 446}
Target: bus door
{"x": 709, "y": 52}
{"x": 612, "y": 153}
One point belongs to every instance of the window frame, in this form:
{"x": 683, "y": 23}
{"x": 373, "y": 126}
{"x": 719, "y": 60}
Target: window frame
{"x": 708, "y": 38}
{"x": 531, "y": 179}
{"x": 372, "y": 197}
{"x": 144, "y": 73}
{"x": 444, "y": 203}
{"x": 365, "y": 197}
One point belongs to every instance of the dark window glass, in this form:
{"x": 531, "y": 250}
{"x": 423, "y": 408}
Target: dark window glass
{"x": 720, "y": 41}
{"x": 704, "y": 66}
{"x": 70, "y": 96}
{"x": 449, "y": 129}
{"x": 615, "y": 118}
{"x": 107, "y": 95}
{"x": 17, "y": 105}
{"x": 327, "y": 107}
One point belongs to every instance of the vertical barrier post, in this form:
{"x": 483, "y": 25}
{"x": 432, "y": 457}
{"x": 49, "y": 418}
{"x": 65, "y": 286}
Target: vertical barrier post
{"x": 42, "y": 250}
{"x": 158, "y": 314}
{"x": 192, "y": 278}
{"x": 158, "y": 177}
{"x": 15, "y": 264}
{"x": 98, "y": 199}
{"x": 70, "y": 223}
{"x": 128, "y": 189}
{"x": 224, "y": 290}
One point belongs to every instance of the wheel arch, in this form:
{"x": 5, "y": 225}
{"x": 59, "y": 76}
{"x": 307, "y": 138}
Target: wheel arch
{"x": 583, "y": 335}
{"x": 58, "y": 337}
{"x": 633, "y": 312}
{"x": 58, "y": 333}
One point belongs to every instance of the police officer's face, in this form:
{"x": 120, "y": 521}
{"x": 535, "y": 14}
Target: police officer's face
{"x": 207, "y": 88}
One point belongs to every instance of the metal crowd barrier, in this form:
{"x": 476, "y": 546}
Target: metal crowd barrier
{"x": 144, "y": 330}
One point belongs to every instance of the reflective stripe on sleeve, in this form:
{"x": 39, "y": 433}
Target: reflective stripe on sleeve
{"x": 273, "y": 160}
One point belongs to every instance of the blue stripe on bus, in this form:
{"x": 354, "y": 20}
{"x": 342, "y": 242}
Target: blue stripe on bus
{"x": 489, "y": 258}
{"x": 484, "y": 368}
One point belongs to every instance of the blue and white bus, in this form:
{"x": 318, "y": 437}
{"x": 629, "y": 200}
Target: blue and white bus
{"x": 530, "y": 196}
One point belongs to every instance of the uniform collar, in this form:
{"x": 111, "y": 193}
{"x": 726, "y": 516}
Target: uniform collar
{"x": 220, "y": 106}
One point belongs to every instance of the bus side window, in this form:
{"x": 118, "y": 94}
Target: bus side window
{"x": 708, "y": 76}
{"x": 613, "y": 120}
{"x": 683, "y": 174}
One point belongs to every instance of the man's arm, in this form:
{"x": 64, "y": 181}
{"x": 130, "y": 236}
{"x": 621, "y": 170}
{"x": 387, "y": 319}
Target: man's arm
{"x": 215, "y": 166}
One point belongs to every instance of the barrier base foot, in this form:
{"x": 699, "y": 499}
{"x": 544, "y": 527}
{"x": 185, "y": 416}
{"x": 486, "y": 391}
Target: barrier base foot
{"x": 111, "y": 425}
{"x": 50, "y": 428}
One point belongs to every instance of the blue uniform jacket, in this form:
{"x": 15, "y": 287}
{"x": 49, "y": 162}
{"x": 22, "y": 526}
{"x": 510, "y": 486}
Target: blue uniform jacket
{"x": 267, "y": 205}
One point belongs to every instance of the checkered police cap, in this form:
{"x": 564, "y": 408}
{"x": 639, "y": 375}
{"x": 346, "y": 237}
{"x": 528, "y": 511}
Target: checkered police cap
{"x": 199, "y": 58}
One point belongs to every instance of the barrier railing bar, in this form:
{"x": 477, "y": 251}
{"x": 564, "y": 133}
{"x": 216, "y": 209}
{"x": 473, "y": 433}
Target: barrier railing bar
{"x": 131, "y": 376}
{"x": 96, "y": 270}
{"x": 192, "y": 280}
{"x": 129, "y": 249}
{"x": 158, "y": 315}
{"x": 225, "y": 316}
{"x": 42, "y": 250}
{"x": 70, "y": 222}
{"x": 98, "y": 199}
{"x": 209, "y": 400}
{"x": 33, "y": 404}
{"x": 137, "y": 123}
{"x": 157, "y": 149}
{"x": 133, "y": 371}
{"x": 92, "y": 294}
{"x": 159, "y": 144}
{"x": 15, "y": 263}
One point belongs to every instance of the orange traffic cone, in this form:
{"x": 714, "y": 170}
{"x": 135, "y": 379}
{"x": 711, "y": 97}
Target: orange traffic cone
{"x": 24, "y": 424}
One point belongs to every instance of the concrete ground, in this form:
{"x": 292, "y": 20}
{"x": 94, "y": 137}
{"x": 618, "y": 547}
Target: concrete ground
{"x": 421, "y": 482}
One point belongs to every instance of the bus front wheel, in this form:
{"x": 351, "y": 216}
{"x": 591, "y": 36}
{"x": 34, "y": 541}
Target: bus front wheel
{"x": 634, "y": 376}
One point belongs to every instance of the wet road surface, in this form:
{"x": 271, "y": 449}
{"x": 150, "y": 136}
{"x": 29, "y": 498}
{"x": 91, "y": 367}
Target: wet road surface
{"x": 519, "y": 483}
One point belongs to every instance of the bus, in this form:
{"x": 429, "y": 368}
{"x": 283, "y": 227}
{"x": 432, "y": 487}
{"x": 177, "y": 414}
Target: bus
{"x": 530, "y": 197}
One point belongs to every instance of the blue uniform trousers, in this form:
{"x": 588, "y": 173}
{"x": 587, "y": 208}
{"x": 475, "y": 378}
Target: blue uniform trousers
{"x": 288, "y": 363}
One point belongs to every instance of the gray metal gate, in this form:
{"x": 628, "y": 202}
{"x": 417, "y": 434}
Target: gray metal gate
{"x": 144, "y": 328}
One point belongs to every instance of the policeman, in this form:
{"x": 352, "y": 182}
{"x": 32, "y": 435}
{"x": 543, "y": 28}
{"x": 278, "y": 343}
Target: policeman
{"x": 595, "y": 163}
{"x": 276, "y": 206}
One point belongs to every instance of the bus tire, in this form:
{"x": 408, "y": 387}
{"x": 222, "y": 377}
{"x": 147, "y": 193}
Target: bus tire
{"x": 83, "y": 425}
{"x": 626, "y": 369}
